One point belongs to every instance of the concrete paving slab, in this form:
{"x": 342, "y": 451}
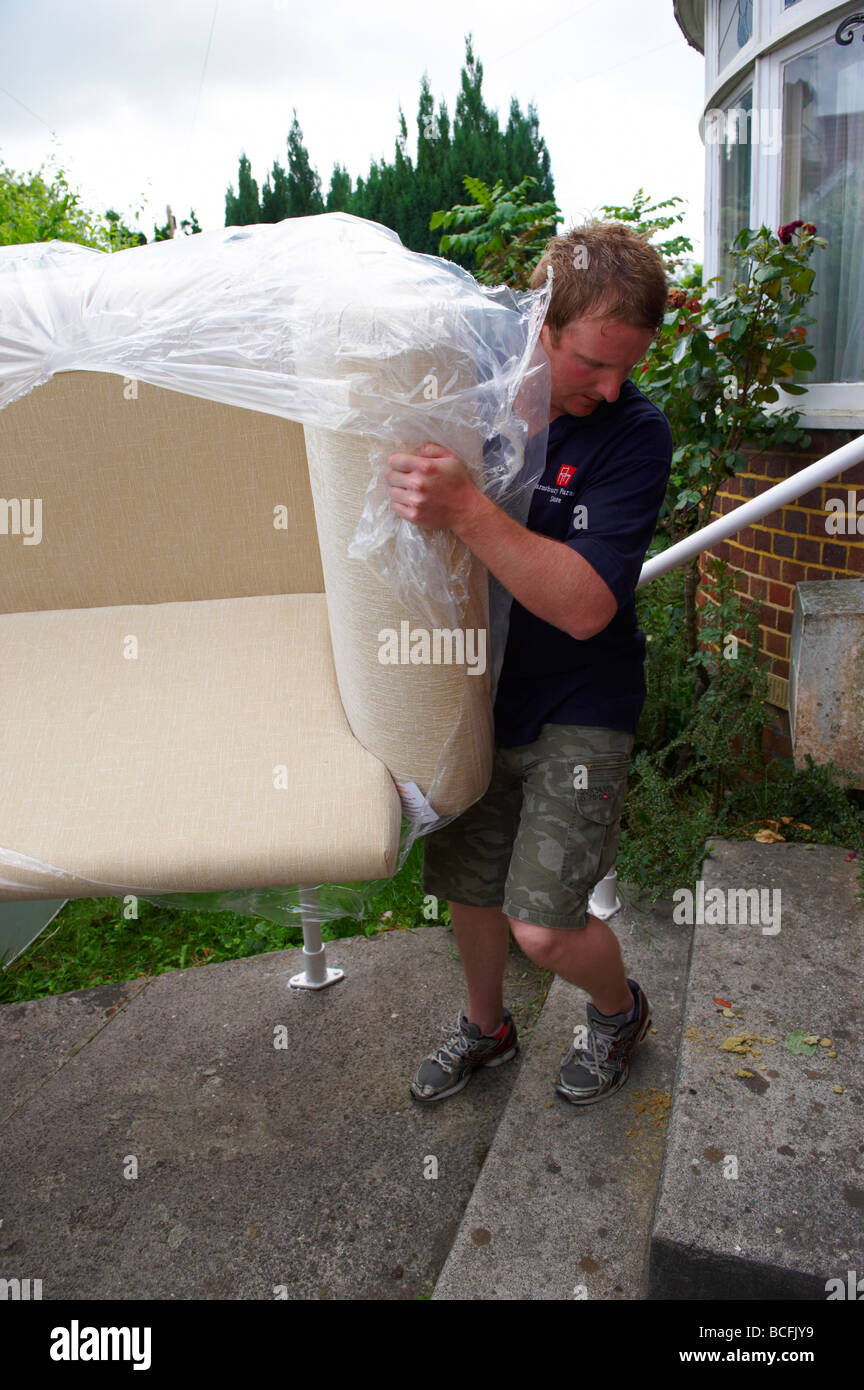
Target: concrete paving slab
{"x": 276, "y": 1144}
{"x": 37, "y": 1039}
{"x": 564, "y": 1204}
{"x": 762, "y": 1193}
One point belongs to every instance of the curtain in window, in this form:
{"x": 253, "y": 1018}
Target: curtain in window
{"x": 823, "y": 182}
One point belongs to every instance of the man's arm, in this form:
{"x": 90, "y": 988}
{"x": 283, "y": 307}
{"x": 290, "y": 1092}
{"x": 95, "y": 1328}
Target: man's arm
{"x": 548, "y": 578}
{"x": 434, "y": 488}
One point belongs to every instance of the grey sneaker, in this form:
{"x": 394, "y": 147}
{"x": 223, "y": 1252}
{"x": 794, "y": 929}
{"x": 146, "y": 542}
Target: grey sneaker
{"x": 446, "y": 1070}
{"x": 588, "y": 1074}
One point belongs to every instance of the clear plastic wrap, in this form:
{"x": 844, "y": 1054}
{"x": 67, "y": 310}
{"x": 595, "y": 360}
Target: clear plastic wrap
{"x": 330, "y": 322}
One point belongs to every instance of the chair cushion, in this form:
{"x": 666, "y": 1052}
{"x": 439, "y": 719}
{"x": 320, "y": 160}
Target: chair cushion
{"x": 161, "y": 772}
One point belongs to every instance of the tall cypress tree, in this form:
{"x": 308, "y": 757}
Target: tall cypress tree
{"x": 339, "y": 193}
{"x": 304, "y": 184}
{"x": 244, "y": 208}
{"x": 275, "y": 200}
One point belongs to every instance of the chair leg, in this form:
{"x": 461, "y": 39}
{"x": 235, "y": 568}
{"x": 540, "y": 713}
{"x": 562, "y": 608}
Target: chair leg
{"x": 317, "y": 974}
{"x": 604, "y": 901}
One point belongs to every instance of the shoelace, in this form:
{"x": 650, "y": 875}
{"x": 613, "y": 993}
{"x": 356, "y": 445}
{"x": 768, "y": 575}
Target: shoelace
{"x": 593, "y": 1060}
{"x": 456, "y": 1046}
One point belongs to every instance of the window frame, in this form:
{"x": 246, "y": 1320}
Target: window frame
{"x": 779, "y": 36}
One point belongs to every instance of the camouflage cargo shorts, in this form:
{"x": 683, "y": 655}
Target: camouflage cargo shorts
{"x": 543, "y": 834}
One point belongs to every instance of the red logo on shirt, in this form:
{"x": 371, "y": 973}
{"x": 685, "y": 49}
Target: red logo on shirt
{"x": 564, "y": 475}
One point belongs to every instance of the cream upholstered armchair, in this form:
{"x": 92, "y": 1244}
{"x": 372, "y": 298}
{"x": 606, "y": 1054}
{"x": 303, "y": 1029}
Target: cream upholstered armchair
{"x": 191, "y": 695}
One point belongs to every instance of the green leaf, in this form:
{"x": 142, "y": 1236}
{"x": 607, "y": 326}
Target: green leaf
{"x": 738, "y": 329}
{"x": 794, "y": 1042}
{"x": 680, "y": 348}
{"x": 801, "y": 282}
{"x": 803, "y": 359}
{"x": 766, "y": 273}
{"x": 701, "y": 347}
{"x": 792, "y": 389}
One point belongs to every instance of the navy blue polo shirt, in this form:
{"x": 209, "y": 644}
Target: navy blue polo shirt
{"x": 614, "y": 463}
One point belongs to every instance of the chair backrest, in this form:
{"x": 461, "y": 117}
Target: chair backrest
{"x": 145, "y": 495}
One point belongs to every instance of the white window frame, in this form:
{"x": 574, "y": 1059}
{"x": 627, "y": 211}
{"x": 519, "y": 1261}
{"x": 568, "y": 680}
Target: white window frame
{"x": 779, "y": 36}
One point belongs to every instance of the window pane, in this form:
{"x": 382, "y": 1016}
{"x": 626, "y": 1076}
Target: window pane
{"x": 736, "y": 26}
{"x": 735, "y": 161}
{"x": 823, "y": 182}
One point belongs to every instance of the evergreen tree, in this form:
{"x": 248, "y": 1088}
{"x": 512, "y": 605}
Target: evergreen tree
{"x": 304, "y": 184}
{"x": 275, "y": 198}
{"x": 339, "y": 193}
{"x": 243, "y": 209}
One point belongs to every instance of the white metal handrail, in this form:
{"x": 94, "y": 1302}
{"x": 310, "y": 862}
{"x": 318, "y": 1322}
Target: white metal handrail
{"x": 790, "y": 488}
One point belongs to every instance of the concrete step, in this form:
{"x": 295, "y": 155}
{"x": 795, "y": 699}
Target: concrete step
{"x": 564, "y": 1204}
{"x": 212, "y": 1134}
{"x": 762, "y": 1191}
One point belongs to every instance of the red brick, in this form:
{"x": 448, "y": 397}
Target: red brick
{"x": 851, "y": 477}
{"x": 770, "y": 566}
{"x": 811, "y": 500}
{"x": 773, "y": 521}
{"x": 762, "y": 540}
{"x": 785, "y": 622}
{"x": 793, "y": 573}
{"x": 856, "y": 559}
{"x": 794, "y": 522}
{"x": 782, "y": 544}
{"x": 816, "y": 525}
{"x": 815, "y": 573}
{"x": 758, "y": 588}
{"x": 835, "y": 556}
{"x": 780, "y": 594}
{"x": 775, "y": 644}
{"x": 775, "y": 467}
{"x": 808, "y": 551}
{"x": 737, "y": 556}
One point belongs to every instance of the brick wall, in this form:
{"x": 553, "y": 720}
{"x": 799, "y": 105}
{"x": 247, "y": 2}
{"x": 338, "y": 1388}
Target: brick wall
{"x": 787, "y": 546}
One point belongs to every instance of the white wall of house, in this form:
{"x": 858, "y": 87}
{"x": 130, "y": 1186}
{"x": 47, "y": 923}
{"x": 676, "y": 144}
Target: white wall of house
{"x": 783, "y": 125}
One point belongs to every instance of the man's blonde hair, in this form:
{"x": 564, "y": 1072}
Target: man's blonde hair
{"x": 603, "y": 270}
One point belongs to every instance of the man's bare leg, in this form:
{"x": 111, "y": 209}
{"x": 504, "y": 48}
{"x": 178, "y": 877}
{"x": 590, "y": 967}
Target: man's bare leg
{"x": 589, "y": 957}
{"x": 483, "y": 937}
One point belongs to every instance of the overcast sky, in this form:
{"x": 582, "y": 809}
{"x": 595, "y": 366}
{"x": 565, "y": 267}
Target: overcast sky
{"x": 154, "y": 103}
